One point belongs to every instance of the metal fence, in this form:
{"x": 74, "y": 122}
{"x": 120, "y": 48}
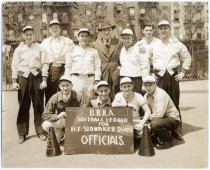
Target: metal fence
{"x": 198, "y": 70}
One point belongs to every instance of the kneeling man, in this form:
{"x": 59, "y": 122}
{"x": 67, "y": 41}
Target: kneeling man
{"x": 164, "y": 117}
{"x": 54, "y": 114}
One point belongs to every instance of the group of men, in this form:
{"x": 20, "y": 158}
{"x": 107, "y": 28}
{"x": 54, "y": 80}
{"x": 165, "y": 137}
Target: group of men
{"x": 67, "y": 74}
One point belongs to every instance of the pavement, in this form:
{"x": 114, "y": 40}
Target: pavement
{"x": 191, "y": 154}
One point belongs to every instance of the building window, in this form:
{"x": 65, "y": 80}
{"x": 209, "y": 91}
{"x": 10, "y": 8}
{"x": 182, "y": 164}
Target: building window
{"x": 64, "y": 18}
{"x": 142, "y": 11}
{"x": 44, "y": 18}
{"x": 176, "y": 15}
{"x": 119, "y": 8}
{"x": 11, "y": 35}
{"x": 88, "y": 12}
{"x": 131, "y": 11}
{"x": 199, "y": 34}
{"x": 55, "y": 16}
{"x": 31, "y": 17}
{"x": 65, "y": 33}
{"x": 176, "y": 32}
{"x": 20, "y": 17}
{"x": 76, "y": 33}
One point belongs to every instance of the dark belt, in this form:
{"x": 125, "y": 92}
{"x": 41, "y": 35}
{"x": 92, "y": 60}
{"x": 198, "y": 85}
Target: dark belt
{"x": 77, "y": 74}
{"x": 56, "y": 65}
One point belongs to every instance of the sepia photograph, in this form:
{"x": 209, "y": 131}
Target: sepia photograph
{"x": 104, "y": 84}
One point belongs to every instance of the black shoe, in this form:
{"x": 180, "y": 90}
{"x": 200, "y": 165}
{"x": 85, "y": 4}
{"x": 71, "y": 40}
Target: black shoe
{"x": 21, "y": 139}
{"x": 165, "y": 144}
{"x": 177, "y": 135}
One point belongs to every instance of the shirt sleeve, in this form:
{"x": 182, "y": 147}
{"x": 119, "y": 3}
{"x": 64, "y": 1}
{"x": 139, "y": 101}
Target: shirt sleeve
{"x": 97, "y": 66}
{"x": 68, "y": 64}
{"x": 44, "y": 62}
{"x": 117, "y": 102}
{"x": 186, "y": 58}
{"x": 140, "y": 99}
{"x": 144, "y": 63}
{"x": 50, "y": 109}
{"x": 15, "y": 63}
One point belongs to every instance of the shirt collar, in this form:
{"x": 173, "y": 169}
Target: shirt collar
{"x": 99, "y": 103}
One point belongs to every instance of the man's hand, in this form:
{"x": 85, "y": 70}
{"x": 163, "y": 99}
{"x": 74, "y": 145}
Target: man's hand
{"x": 62, "y": 114}
{"x": 15, "y": 86}
{"x": 179, "y": 76}
{"x": 139, "y": 126}
{"x": 43, "y": 84}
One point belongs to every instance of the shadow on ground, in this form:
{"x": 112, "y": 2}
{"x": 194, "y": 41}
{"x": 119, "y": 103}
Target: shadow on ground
{"x": 187, "y": 128}
{"x": 186, "y": 108}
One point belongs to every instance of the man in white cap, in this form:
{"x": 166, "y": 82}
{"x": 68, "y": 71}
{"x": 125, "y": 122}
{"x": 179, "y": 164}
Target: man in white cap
{"x": 57, "y": 47}
{"x": 54, "y": 114}
{"x": 84, "y": 66}
{"x": 134, "y": 64}
{"x": 103, "y": 99}
{"x": 109, "y": 49}
{"x": 128, "y": 98}
{"x": 29, "y": 74}
{"x": 164, "y": 118}
{"x": 171, "y": 60}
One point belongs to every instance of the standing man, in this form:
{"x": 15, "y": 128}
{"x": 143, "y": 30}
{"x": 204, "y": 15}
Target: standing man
{"x": 55, "y": 112}
{"x": 29, "y": 74}
{"x": 109, "y": 49}
{"x": 84, "y": 66}
{"x": 148, "y": 40}
{"x": 57, "y": 47}
{"x": 171, "y": 60}
{"x": 164, "y": 118}
{"x": 134, "y": 64}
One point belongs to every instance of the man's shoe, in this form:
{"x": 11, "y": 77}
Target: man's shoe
{"x": 42, "y": 137}
{"x": 164, "y": 145}
{"x": 177, "y": 135}
{"x": 21, "y": 139}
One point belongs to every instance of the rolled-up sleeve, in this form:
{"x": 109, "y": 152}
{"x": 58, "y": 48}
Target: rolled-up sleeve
{"x": 15, "y": 63}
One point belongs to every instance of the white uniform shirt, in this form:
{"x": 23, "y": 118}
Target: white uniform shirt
{"x": 58, "y": 48}
{"x": 161, "y": 105}
{"x": 133, "y": 63}
{"x": 148, "y": 47}
{"x": 83, "y": 61}
{"x": 169, "y": 56}
{"x": 29, "y": 59}
{"x": 137, "y": 101}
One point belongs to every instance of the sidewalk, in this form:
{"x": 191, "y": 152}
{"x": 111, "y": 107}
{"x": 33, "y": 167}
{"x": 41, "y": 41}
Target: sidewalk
{"x": 196, "y": 86}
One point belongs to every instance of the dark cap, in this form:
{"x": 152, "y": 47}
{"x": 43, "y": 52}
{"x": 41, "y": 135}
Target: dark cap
{"x": 105, "y": 24}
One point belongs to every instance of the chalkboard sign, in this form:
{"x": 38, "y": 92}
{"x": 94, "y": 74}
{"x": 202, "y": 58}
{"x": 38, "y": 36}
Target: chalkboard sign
{"x": 99, "y": 130}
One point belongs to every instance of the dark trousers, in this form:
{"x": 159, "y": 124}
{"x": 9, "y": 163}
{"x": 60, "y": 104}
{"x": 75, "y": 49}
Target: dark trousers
{"x": 29, "y": 90}
{"x": 114, "y": 89}
{"x": 163, "y": 127}
{"x": 52, "y": 82}
{"x": 171, "y": 86}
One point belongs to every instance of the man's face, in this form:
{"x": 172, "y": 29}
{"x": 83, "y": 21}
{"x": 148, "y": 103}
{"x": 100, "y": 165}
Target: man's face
{"x": 28, "y": 36}
{"x": 127, "y": 40}
{"x": 148, "y": 32}
{"x": 106, "y": 33}
{"x": 164, "y": 31}
{"x": 103, "y": 93}
{"x": 83, "y": 38}
{"x": 65, "y": 87}
{"x": 55, "y": 30}
{"x": 150, "y": 87}
{"x": 126, "y": 88}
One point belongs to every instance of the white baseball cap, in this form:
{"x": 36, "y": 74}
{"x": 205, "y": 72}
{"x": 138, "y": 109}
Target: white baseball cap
{"x": 125, "y": 80}
{"x": 102, "y": 83}
{"x": 84, "y": 30}
{"x": 149, "y": 79}
{"x": 65, "y": 77}
{"x": 127, "y": 31}
{"x": 164, "y": 22}
{"x": 27, "y": 28}
{"x": 54, "y": 22}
